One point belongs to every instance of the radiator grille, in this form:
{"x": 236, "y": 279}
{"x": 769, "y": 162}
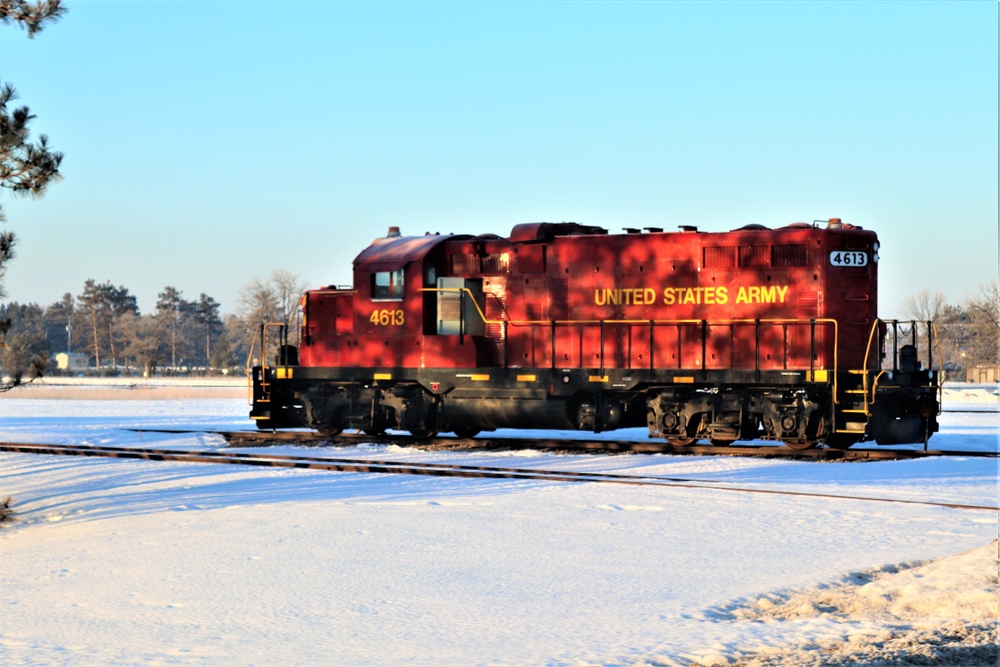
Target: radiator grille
{"x": 719, "y": 257}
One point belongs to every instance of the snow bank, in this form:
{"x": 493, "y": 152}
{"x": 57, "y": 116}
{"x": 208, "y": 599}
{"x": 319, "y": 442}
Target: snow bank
{"x": 961, "y": 394}
{"x": 963, "y": 585}
{"x": 130, "y": 381}
{"x": 943, "y": 612}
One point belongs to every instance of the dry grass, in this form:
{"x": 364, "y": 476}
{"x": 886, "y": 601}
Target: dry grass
{"x": 7, "y": 510}
{"x": 138, "y": 392}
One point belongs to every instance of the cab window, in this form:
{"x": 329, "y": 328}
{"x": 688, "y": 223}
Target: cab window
{"x": 388, "y": 285}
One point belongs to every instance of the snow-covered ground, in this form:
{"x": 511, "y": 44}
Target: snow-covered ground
{"x": 118, "y": 562}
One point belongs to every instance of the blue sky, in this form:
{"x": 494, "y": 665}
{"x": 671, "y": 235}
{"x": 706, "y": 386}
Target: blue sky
{"x": 209, "y": 143}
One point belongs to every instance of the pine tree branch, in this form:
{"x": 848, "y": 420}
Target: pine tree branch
{"x": 32, "y": 16}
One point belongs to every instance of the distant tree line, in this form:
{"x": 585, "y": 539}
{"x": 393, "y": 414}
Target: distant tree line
{"x": 103, "y": 322}
{"x": 967, "y": 334}
{"x": 192, "y": 336}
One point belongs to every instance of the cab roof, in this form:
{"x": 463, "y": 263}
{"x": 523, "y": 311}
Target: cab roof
{"x": 394, "y": 252}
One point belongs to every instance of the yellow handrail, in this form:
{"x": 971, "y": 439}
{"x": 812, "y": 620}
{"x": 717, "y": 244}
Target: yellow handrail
{"x": 937, "y": 343}
{"x": 262, "y": 331}
{"x": 248, "y": 369}
{"x": 878, "y": 376}
{"x": 835, "y": 323}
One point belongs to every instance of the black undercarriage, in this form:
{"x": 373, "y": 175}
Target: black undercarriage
{"x": 683, "y": 407}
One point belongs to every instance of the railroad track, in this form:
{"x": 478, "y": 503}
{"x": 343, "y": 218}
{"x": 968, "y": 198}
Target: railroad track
{"x": 435, "y": 470}
{"x": 264, "y": 438}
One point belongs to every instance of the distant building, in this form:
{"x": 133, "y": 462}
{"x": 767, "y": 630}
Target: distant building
{"x": 983, "y": 374}
{"x": 72, "y": 361}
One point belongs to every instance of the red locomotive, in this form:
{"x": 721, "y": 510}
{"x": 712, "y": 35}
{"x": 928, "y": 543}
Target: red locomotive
{"x": 755, "y": 333}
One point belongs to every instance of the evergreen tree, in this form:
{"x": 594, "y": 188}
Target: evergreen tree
{"x": 95, "y": 311}
{"x": 26, "y": 168}
{"x": 174, "y": 314}
{"x": 31, "y": 16}
{"x": 60, "y": 323}
{"x": 102, "y": 307}
{"x": 26, "y": 350}
{"x": 226, "y": 353}
{"x": 122, "y": 304}
{"x": 209, "y": 324}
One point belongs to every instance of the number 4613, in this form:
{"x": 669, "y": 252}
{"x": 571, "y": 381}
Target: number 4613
{"x": 387, "y": 318}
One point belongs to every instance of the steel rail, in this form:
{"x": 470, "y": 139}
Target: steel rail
{"x": 590, "y": 476}
{"x": 609, "y": 446}
{"x": 407, "y": 468}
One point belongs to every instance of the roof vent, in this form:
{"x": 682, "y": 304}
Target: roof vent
{"x": 393, "y": 232}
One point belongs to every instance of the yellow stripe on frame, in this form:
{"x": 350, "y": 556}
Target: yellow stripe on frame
{"x": 683, "y": 379}
{"x": 599, "y": 378}
{"x": 383, "y": 376}
{"x": 479, "y": 378}
{"x": 526, "y": 378}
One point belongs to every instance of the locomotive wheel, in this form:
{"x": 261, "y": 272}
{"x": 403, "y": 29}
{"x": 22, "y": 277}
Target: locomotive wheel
{"x": 801, "y": 444}
{"x": 465, "y": 431}
{"x": 423, "y": 433}
{"x": 681, "y": 442}
{"x": 374, "y": 432}
{"x": 330, "y": 432}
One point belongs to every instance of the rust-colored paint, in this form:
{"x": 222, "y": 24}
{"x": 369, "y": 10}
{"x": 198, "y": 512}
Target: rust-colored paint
{"x": 571, "y": 296}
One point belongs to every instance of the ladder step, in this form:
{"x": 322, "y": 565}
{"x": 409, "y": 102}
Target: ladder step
{"x": 857, "y": 412}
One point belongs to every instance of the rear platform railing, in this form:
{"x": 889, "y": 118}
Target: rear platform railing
{"x": 270, "y": 337}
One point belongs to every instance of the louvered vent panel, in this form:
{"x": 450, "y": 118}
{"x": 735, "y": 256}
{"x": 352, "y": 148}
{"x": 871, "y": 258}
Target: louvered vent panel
{"x": 807, "y": 306}
{"x": 495, "y": 263}
{"x": 494, "y": 314}
{"x": 788, "y": 256}
{"x": 755, "y": 256}
{"x": 535, "y": 311}
{"x": 463, "y": 265}
{"x": 719, "y": 257}
{"x": 560, "y": 299}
